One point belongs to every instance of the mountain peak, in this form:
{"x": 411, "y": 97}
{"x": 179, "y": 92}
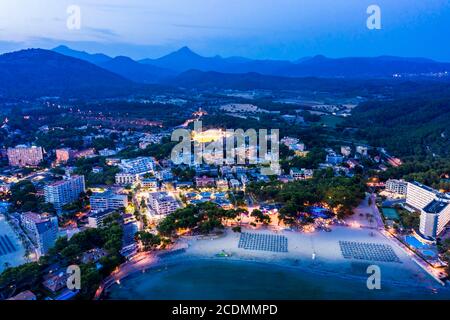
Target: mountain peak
{"x": 61, "y": 47}
{"x": 95, "y": 58}
{"x": 185, "y": 51}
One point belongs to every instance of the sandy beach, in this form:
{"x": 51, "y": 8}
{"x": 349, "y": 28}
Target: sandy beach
{"x": 329, "y": 275}
{"x": 326, "y": 250}
{"x": 14, "y": 258}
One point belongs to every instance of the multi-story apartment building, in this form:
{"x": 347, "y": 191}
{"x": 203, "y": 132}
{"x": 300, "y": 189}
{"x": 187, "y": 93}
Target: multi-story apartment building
{"x": 301, "y": 174}
{"x": 63, "y": 155}
{"x": 397, "y": 186}
{"x": 222, "y": 184}
{"x": 204, "y": 181}
{"x": 138, "y": 165}
{"x": 22, "y": 156}
{"x": 346, "y": 151}
{"x": 96, "y": 219}
{"x": 164, "y": 175}
{"x": 101, "y": 201}
{"x": 418, "y": 196}
{"x": 162, "y": 203}
{"x": 434, "y": 208}
{"x": 42, "y": 230}
{"x": 150, "y": 183}
{"x": 64, "y": 191}
{"x": 126, "y": 178}
{"x": 362, "y": 150}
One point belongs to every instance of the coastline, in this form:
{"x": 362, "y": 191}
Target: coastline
{"x": 18, "y": 256}
{"x": 327, "y": 263}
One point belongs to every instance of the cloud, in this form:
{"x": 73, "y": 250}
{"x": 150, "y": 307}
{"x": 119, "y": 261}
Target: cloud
{"x": 109, "y": 33}
{"x": 197, "y": 26}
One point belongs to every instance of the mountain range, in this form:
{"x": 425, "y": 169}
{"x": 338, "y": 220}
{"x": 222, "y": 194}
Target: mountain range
{"x": 66, "y": 72}
{"x": 184, "y": 59}
{"x": 37, "y": 72}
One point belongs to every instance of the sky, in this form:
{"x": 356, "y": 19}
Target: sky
{"x": 262, "y": 29}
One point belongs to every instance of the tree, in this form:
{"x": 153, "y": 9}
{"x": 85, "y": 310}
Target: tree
{"x": 23, "y": 196}
{"x": 260, "y": 217}
{"x": 148, "y": 240}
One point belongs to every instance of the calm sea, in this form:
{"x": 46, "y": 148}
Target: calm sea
{"x": 216, "y": 279}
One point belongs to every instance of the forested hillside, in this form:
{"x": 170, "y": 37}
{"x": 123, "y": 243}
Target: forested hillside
{"x": 407, "y": 127}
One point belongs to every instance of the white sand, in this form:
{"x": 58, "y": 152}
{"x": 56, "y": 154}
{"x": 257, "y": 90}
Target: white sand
{"x": 328, "y": 257}
{"x": 15, "y": 258}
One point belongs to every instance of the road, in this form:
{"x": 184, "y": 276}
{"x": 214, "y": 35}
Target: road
{"x": 376, "y": 213}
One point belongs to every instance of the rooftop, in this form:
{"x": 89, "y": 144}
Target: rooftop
{"x": 437, "y": 193}
{"x": 435, "y": 206}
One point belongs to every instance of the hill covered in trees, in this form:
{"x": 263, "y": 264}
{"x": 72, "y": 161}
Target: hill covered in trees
{"x": 406, "y": 127}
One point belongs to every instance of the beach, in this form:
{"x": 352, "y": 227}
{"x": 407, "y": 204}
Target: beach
{"x": 14, "y": 256}
{"x": 326, "y": 250}
{"x": 314, "y": 261}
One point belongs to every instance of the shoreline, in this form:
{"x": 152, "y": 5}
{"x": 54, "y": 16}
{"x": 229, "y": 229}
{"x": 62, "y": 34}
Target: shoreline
{"x": 162, "y": 265}
{"x": 16, "y": 257}
{"x": 207, "y": 248}
{"x": 166, "y": 262}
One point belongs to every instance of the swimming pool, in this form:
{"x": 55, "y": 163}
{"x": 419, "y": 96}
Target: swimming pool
{"x": 319, "y": 212}
{"x": 415, "y": 243}
{"x": 429, "y": 253}
{"x": 390, "y": 213}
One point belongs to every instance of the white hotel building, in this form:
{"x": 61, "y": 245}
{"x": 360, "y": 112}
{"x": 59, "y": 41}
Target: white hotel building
{"x": 126, "y": 178}
{"x": 108, "y": 200}
{"x": 162, "y": 203}
{"x": 434, "y": 208}
{"x": 64, "y": 191}
{"x": 397, "y": 186}
{"x": 138, "y": 165}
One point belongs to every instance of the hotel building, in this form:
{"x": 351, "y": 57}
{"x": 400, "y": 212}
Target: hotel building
{"x": 96, "y": 219}
{"x": 101, "y": 201}
{"x": 162, "y": 203}
{"x": 204, "y": 182}
{"x": 126, "y": 178}
{"x": 22, "y": 156}
{"x": 434, "y": 208}
{"x": 301, "y": 174}
{"x": 138, "y": 165}
{"x": 397, "y": 186}
{"x": 65, "y": 191}
{"x": 150, "y": 183}
{"x": 42, "y": 230}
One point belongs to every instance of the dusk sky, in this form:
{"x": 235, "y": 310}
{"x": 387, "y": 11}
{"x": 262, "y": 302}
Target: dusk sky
{"x": 273, "y": 29}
